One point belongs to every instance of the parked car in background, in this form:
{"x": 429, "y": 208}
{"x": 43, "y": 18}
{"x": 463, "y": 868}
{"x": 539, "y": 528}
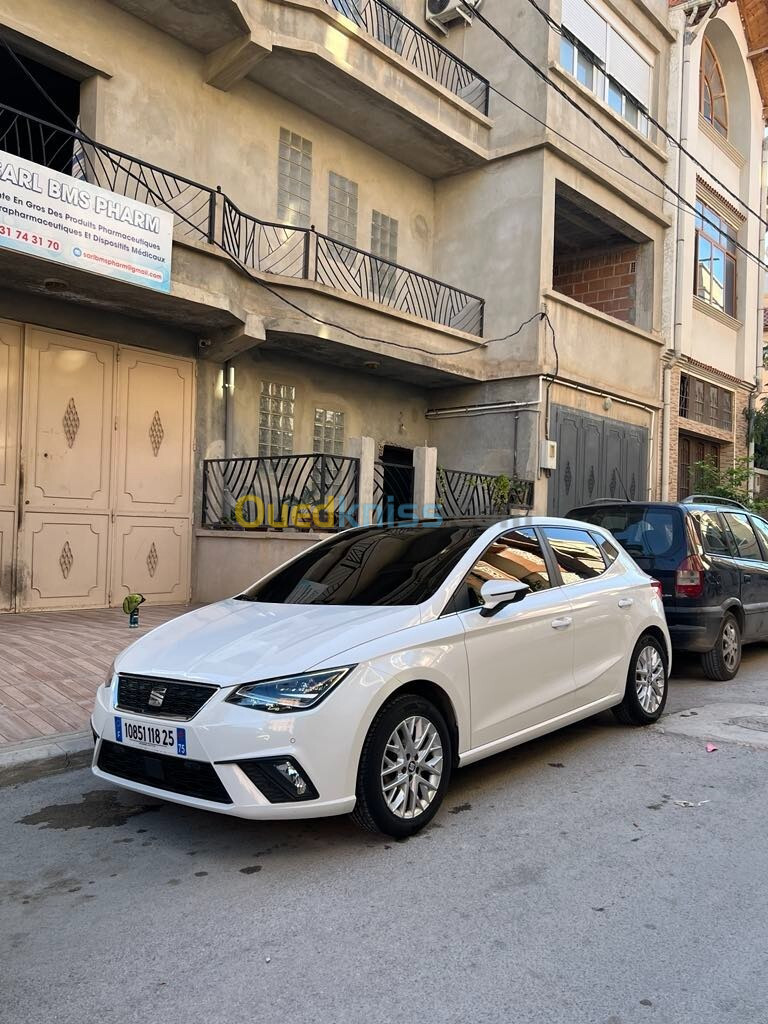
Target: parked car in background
{"x": 711, "y": 557}
{"x": 358, "y": 676}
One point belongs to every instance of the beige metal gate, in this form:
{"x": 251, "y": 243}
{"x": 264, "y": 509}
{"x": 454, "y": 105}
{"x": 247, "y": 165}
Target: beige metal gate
{"x": 104, "y": 485}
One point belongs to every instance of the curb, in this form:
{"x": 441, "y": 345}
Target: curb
{"x": 20, "y": 762}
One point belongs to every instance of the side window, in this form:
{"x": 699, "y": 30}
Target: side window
{"x": 610, "y": 551}
{"x": 713, "y": 534}
{"x": 576, "y": 553}
{"x": 761, "y": 528}
{"x": 516, "y": 555}
{"x": 746, "y": 541}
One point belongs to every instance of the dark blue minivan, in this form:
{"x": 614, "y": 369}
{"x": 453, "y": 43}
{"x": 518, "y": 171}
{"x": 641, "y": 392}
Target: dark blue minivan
{"x": 711, "y": 557}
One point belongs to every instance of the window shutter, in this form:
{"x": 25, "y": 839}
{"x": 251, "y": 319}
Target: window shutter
{"x": 629, "y": 69}
{"x": 585, "y": 23}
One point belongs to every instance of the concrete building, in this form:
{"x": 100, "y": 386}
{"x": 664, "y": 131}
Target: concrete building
{"x": 359, "y": 216}
{"x": 713, "y": 364}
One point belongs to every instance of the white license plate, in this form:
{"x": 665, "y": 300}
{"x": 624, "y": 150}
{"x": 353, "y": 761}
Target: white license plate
{"x": 161, "y": 738}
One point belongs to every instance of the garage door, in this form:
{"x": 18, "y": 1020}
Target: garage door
{"x": 104, "y": 491}
{"x": 596, "y": 458}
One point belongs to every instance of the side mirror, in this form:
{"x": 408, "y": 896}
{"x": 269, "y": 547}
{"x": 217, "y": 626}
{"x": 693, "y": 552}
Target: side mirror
{"x": 497, "y": 593}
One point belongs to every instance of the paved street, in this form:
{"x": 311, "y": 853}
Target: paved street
{"x": 561, "y": 882}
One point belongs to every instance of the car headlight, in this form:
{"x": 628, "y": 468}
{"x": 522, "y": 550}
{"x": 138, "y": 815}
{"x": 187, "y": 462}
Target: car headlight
{"x": 110, "y": 676}
{"x": 290, "y": 693}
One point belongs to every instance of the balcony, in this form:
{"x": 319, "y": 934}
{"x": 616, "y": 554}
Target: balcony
{"x": 357, "y": 64}
{"x": 205, "y": 215}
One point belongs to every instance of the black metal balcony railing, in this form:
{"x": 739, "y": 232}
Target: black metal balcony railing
{"x": 418, "y": 48}
{"x": 304, "y": 253}
{"x": 265, "y": 247}
{"x": 480, "y": 494}
{"x": 279, "y": 492}
{"x": 64, "y": 150}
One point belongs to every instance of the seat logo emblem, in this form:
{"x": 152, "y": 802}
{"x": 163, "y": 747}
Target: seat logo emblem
{"x": 157, "y": 696}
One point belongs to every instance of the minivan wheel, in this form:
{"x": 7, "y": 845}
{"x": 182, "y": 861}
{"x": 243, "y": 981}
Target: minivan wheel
{"x": 646, "y": 691}
{"x": 405, "y": 767}
{"x": 723, "y": 661}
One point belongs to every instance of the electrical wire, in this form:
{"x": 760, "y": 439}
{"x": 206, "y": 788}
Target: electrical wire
{"x": 559, "y": 29}
{"x": 612, "y": 138}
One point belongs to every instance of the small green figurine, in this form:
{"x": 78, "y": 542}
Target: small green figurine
{"x": 131, "y": 609}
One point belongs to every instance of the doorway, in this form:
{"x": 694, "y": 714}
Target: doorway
{"x": 95, "y": 483}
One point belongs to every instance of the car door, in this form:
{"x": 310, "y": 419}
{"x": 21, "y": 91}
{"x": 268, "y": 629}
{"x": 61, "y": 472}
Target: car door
{"x": 761, "y": 529}
{"x": 602, "y": 604}
{"x": 520, "y": 658}
{"x": 754, "y": 573}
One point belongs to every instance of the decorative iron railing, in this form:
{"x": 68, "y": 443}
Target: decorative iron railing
{"x": 480, "y": 494}
{"x": 279, "y": 492}
{"x": 70, "y": 152}
{"x": 418, "y": 48}
{"x": 392, "y": 493}
{"x": 262, "y": 246}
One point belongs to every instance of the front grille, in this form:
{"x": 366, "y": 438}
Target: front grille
{"x": 162, "y": 698}
{"x": 173, "y": 774}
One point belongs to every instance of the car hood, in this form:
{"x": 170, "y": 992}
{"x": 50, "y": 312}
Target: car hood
{"x": 240, "y": 641}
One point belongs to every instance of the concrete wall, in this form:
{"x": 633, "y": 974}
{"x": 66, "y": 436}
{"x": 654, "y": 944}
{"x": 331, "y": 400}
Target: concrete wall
{"x": 226, "y": 563}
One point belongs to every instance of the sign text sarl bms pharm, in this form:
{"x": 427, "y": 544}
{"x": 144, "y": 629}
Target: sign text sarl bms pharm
{"x": 50, "y": 215}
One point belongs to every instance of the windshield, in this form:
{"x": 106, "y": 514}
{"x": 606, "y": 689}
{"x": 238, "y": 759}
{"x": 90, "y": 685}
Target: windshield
{"x": 645, "y": 532}
{"x": 370, "y": 566}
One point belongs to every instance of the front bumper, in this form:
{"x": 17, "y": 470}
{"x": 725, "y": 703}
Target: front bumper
{"x": 219, "y": 736}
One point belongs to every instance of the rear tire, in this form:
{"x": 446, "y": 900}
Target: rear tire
{"x": 723, "y": 661}
{"x": 647, "y": 683}
{"x": 405, "y": 767}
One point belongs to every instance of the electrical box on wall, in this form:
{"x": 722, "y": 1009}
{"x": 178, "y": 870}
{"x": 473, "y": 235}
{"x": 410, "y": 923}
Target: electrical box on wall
{"x": 548, "y": 455}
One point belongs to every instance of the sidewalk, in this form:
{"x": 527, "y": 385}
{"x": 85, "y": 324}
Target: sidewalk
{"x": 51, "y": 664}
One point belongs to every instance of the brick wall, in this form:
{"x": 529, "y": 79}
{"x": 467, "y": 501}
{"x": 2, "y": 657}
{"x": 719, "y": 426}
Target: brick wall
{"x": 604, "y": 279}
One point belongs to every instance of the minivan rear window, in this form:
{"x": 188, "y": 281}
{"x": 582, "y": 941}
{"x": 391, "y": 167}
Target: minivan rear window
{"x": 645, "y": 532}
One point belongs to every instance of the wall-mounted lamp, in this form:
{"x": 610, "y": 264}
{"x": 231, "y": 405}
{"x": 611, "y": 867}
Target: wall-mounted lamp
{"x": 228, "y": 379}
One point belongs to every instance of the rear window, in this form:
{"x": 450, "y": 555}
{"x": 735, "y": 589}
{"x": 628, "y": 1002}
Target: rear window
{"x": 645, "y": 532}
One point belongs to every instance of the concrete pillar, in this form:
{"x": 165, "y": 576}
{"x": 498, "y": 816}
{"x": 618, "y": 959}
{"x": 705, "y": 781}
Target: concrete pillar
{"x": 364, "y": 449}
{"x": 424, "y": 480}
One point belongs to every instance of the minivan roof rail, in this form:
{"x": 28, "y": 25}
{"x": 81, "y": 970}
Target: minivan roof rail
{"x": 710, "y": 499}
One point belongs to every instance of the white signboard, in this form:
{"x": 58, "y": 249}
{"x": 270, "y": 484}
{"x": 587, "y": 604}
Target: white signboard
{"x": 51, "y": 215}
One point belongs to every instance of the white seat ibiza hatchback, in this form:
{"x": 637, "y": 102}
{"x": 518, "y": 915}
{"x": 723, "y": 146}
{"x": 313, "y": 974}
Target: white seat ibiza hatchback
{"x": 358, "y": 676}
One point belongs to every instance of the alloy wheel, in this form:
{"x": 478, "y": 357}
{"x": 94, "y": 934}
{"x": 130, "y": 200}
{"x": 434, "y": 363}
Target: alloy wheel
{"x": 730, "y": 646}
{"x": 412, "y": 767}
{"x": 650, "y": 679}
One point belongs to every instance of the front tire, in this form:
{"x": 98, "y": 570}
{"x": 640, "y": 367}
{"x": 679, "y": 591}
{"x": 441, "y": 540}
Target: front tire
{"x": 647, "y": 683}
{"x": 405, "y": 767}
{"x": 723, "y": 661}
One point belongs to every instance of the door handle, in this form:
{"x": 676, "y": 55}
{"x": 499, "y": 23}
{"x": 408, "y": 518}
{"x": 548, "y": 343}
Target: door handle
{"x": 747, "y": 578}
{"x": 562, "y": 623}
{"x": 626, "y": 602}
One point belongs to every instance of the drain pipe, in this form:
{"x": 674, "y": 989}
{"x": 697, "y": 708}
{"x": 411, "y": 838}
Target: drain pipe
{"x": 689, "y": 32}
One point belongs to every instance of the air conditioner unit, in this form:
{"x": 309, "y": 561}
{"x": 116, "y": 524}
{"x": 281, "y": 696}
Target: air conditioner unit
{"x": 442, "y": 12}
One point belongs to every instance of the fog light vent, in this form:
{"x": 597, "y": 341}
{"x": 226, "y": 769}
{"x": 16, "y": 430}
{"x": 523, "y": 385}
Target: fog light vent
{"x": 281, "y": 779}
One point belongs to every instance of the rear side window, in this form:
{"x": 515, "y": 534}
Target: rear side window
{"x": 643, "y": 532}
{"x": 576, "y": 553}
{"x": 713, "y": 533}
{"x": 747, "y": 545}
{"x": 761, "y": 527}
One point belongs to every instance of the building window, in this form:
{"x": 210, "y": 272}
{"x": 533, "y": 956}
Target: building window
{"x": 276, "y": 405}
{"x": 294, "y": 179}
{"x": 605, "y": 63}
{"x": 329, "y": 432}
{"x": 384, "y": 236}
{"x": 691, "y": 452}
{"x": 715, "y": 281}
{"x": 705, "y": 403}
{"x": 342, "y": 209}
{"x": 713, "y": 102}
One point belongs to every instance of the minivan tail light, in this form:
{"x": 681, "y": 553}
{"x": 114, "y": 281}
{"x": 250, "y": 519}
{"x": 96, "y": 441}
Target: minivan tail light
{"x": 689, "y": 578}
{"x": 658, "y": 589}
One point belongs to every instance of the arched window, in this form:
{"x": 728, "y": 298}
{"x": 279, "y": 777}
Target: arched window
{"x": 713, "y": 103}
